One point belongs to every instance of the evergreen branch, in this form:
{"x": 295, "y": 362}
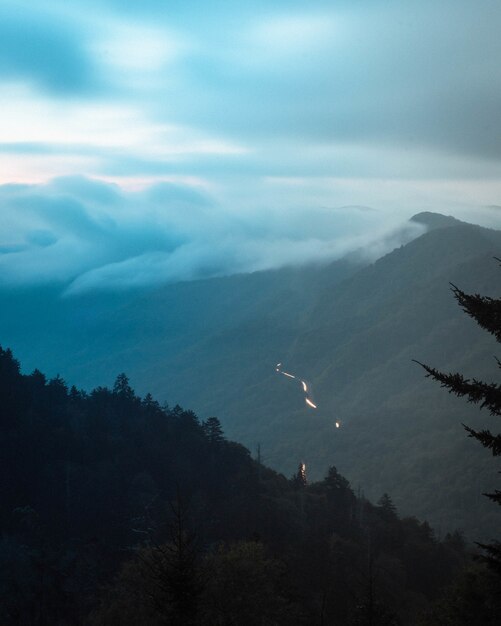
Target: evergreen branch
{"x": 487, "y": 439}
{"x": 493, "y": 556}
{"x": 487, "y": 394}
{"x": 495, "y": 497}
{"x": 485, "y": 311}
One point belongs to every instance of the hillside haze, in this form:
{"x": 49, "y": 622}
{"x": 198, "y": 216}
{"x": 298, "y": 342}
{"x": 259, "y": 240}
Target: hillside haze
{"x": 351, "y": 329}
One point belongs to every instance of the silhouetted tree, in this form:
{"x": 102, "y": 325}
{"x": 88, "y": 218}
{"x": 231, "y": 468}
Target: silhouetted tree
{"x": 213, "y": 430}
{"x": 334, "y": 482}
{"x": 486, "y": 312}
{"x": 122, "y": 387}
{"x": 387, "y": 509}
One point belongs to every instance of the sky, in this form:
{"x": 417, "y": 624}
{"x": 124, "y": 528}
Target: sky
{"x": 150, "y": 141}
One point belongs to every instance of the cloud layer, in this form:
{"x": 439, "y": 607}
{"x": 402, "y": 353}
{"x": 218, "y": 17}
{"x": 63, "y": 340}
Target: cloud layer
{"x": 89, "y": 235}
{"x": 219, "y": 134}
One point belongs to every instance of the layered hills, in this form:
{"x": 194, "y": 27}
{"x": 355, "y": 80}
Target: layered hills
{"x": 351, "y": 329}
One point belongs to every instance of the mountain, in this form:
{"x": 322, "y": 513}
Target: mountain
{"x": 435, "y": 220}
{"x": 400, "y": 432}
{"x": 168, "y": 340}
{"x": 351, "y": 329}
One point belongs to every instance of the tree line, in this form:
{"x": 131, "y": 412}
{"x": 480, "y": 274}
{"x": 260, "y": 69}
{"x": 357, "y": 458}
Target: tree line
{"x": 116, "y": 510}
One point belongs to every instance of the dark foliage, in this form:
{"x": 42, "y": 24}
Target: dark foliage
{"x": 487, "y": 313}
{"x": 473, "y": 600}
{"x": 116, "y": 510}
{"x": 488, "y": 395}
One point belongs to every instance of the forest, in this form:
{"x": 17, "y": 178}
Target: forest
{"x": 350, "y": 328}
{"x": 119, "y": 511}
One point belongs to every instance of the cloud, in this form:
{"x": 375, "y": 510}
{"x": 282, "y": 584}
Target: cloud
{"x": 42, "y": 47}
{"x": 256, "y": 119}
{"x": 377, "y": 73}
{"x": 87, "y": 235}
{"x": 382, "y": 73}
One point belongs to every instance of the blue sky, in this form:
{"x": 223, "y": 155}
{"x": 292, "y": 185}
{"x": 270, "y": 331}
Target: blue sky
{"x": 199, "y": 138}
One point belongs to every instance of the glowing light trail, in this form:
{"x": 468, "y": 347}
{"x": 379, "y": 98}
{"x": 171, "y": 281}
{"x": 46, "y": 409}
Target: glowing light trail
{"x": 303, "y": 383}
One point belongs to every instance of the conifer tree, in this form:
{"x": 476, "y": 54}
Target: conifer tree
{"x": 213, "y": 431}
{"x": 486, "y": 312}
{"x": 387, "y": 509}
{"x": 122, "y": 387}
{"x": 299, "y": 479}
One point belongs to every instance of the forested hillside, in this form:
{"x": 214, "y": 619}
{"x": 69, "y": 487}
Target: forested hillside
{"x": 116, "y": 510}
{"x": 350, "y": 329}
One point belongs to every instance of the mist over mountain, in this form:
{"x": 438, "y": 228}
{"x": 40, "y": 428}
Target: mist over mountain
{"x": 434, "y": 220}
{"x": 267, "y": 212}
{"x": 86, "y": 235}
{"x": 351, "y": 329}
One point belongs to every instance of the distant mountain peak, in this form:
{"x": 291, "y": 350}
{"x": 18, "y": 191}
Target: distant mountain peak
{"x": 435, "y": 220}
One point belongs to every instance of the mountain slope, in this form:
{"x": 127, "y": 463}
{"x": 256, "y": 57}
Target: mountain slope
{"x": 400, "y": 433}
{"x": 356, "y": 346}
{"x": 351, "y": 331}
{"x": 89, "y": 338}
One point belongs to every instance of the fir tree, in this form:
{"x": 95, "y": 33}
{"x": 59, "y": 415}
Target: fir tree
{"x": 122, "y": 387}
{"x": 486, "y": 312}
{"x": 334, "y": 482}
{"x": 213, "y": 431}
{"x": 387, "y": 509}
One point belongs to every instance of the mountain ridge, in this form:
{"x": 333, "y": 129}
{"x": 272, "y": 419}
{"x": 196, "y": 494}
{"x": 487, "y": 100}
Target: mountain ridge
{"x": 435, "y": 220}
{"x": 351, "y": 329}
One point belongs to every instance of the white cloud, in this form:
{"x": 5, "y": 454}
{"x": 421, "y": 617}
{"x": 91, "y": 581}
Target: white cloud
{"x": 290, "y": 35}
{"x": 88, "y": 234}
{"x": 277, "y": 115}
{"x": 77, "y": 137}
{"x": 137, "y": 48}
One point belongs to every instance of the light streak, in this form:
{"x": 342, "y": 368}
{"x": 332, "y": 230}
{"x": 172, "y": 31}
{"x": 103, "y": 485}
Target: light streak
{"x": 338, "y": 425}
{"x": 303, "y": 383}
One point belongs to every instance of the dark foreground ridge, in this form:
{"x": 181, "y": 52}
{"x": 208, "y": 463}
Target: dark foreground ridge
{"x": 116, "y": 510}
